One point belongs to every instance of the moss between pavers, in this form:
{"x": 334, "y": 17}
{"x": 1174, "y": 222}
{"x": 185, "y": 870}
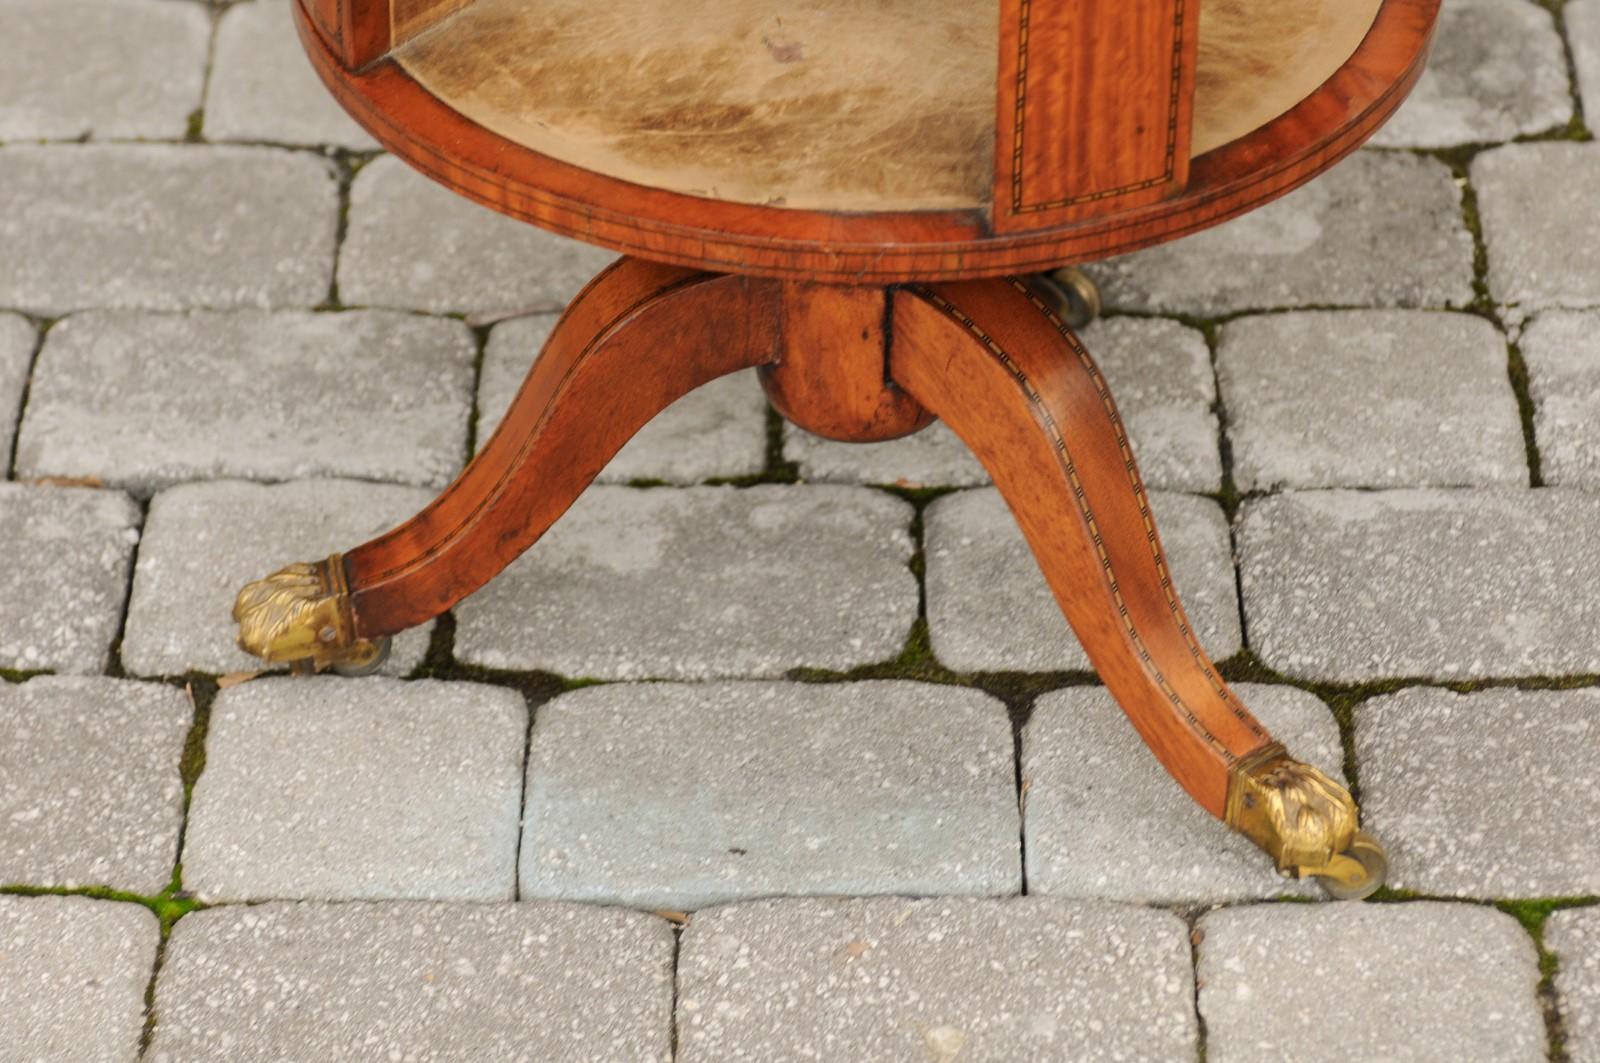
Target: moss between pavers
{"x": 202, "y": 691}
{"x": 776, "y": 470}
{"x": 1533, "y": 915}
{"x": 1518, "y": 371}
{"x": 480, "y": 350}
{"x": 173, "y": 902}
{"x": 536, "y": 688}
{"x": 916, "y": 661}
{"x": 1577, "y": 129}
{"x": 1459, "y": 160}
{"x": 170, "y": 905}
{"x": 347, "y": 164}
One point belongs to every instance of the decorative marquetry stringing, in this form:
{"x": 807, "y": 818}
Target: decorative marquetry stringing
{"x": 1069, "y": 466}
{"x": 1168, "y": 173}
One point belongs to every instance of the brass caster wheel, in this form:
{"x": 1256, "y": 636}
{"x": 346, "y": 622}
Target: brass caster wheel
{"x": 1074, "y": 297}
{"x": 366, "y": 659}
{"x": 1306, "y": 822}
{"x": 1358, "y": 872}
{"x": 301, "y": 615}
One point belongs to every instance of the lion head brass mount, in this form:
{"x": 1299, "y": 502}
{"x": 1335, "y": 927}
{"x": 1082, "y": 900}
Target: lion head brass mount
{"x": 301, "y": 615}
{"x": 1306, "y": 822}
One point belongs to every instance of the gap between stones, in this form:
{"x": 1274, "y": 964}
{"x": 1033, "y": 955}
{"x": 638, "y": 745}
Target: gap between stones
{"x": 1577, "y": 128}
{"x": 41, "y": 329}
{"x": 114, "y": 667}
{"x": 173, "y": 902}
{"x": 195, "y": 131}
{"x": 1533, "y": 915}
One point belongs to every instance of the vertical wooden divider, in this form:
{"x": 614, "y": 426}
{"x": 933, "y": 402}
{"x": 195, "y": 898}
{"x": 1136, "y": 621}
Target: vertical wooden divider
{"x": 1095, "y": 104}
{"x": 360, "y": 32}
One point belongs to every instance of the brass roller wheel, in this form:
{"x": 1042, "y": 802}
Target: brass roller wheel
{"x": 1074, "y": 297}
{"x": 1358, "y": 872}
{"x": 369, "y": 661}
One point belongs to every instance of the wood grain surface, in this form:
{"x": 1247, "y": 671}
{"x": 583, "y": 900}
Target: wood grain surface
{"x": 1094, "y": 107}
{"x": 866, "y": 245}
{"x": 996, "y": 365}
{"x": 639, "y": 337}
{"x": 832, "y": 378}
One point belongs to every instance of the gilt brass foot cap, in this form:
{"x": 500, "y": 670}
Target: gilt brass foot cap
{"x": 301, "y": 615}
{"x": 1306, "y": 822}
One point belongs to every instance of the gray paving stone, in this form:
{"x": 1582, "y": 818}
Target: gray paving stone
{"x": 1497, "y": 71}
{"x": 933, "y": 457}
{"x": 719, "y": 429}
{"x": 1562, "y": 352}
{"x": 1378, "y": 229}
{"x": 72, "y": 978}
{"x": 1540, "y": 207}
{"x": 1420, "y": 981}
{"x": 164, "y": 227}
{"x": 143, "y": 401}
{"x": 415, "y": 981}
{"x": 414, "y": 244}
{"x": 1492, "y": 794}
{"x": 90, "y": 793}
{"x": 1369, "y": 398}
{"x": 102, "y": 68}
{"x": 204, "y": 541}
{"x": 935, "y": 980}
{"x": 837, "y": 789}
{"x": 513, "y": 345}
{"x": 263, "y": 87}
{"x": 1104, "y": 819}
{"x": 1583, "y": 34}
{"x": 1348, "y": 586}
{"x": 63, "y": 575}
{"x": 990, "y": 610}
{"x": 1574, "y": 938}
{"x": 17, "y": 340}
{"x": 1160, "y": 372}
{"x": 366, "y": 789}
{"x": 702, "y": 582}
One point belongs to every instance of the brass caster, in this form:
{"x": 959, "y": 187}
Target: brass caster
{"x": 365, "y": 659}
{"x": 1306, "y": 822}
{"x": 1074, "y": 297}
{"x": 1358, "y": 872}
{"x": 301, "y": 615}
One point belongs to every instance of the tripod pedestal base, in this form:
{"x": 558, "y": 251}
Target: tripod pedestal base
{"x": 992, "y": 359}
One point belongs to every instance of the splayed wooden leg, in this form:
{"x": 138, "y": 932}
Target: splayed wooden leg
{"x": 995, "y": 362}
{"x": 638, "y": 338}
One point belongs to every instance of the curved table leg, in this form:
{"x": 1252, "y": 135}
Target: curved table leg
{"x": 995, "y": 363}
{"x": 637, "y": 338}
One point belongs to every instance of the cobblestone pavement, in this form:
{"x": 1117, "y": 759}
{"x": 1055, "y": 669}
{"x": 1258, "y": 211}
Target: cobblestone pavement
{"x": 733, "y": 764}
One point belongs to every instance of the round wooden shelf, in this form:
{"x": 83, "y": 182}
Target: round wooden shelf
{"x": 840, "y": 142}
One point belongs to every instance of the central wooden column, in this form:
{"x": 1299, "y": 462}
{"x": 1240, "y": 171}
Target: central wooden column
{"x": 832, "y": 373}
